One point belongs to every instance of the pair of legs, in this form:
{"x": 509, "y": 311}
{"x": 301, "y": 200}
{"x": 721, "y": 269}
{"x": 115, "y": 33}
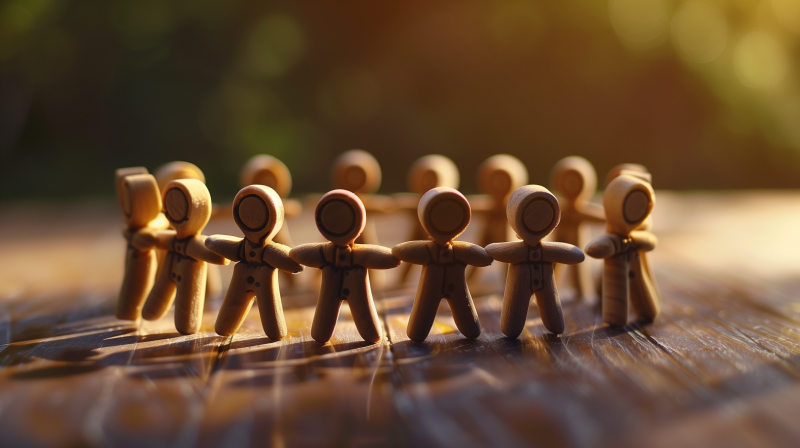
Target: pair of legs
{"x": 249, "y": 281}
{"x": 526, "y": 280}
{"x": 140, "y": 270}
{"x": 358, "y": 296}
{"x": 624, "y": 277}
{"x": 183, "y": 280}
{"x": 429, "y": 294}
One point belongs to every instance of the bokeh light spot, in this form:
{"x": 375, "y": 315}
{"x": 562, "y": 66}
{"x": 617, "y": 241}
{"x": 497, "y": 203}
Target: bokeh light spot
{"x": 639, "y": 23}
{"x": 700, "y": 31}
{"x": 276, "y": 44}
{"x": 788, "y": 13}
{"x": 760, "y": 60}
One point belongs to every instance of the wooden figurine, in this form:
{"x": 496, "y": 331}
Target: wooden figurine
{"x": 182, "y": 273}
{"x": 628, "y": 202}
{"x": 340, "y": 218}
{"x": 258, "y": 211}
{"x": 574, "y": 181}
{"x": 140, "y": 200}
{"x": 427, "y": 172}
{"x": 498, "y": 177}
{"x": 533, "y": 213}
{"x": 445, "y": 214}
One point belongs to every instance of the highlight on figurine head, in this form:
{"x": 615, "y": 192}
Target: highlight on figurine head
{"x": 140, "y": 199}
{"x": 258, "y": 211}
{"x": 357, "y": 171}
{"x": 628, "y": 202}
{"x": 501, "y": 174}
{"x": 634, "y": 169}
{"x": 187, "y": 206}
{"x": 444, "y": 213}
{"x": 574, "y": 178}
{"x": 533, "y": 212}
{"x": 267, "y": 170}
{"x": 432, "y": 171}
{"x": 177, "y": 170}
{"x": 340, "y": 217}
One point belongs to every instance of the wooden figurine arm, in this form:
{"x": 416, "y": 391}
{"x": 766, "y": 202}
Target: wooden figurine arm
{"x": 562, "y": 253}
{"x": 481, "y": 203}
{"x": 406, "y": 201}
{"x": 644, "y": 241}
{"x": 471, "y": 254}
{"x": 292, "y": 207}
{"x": 277, "y": 255}
{"x": 414, "y": 252}
{"x": 225, "y": 246}
{"x": 196, "y": 248}
{"x": 374, "y": 257}
{"x": 309, "y": 254}
{"x": 512, "y": 252}
{"x": 377, "y": 203}
{"x": 604, "y": 246}
{"x": 592, "y": 213}
{"x": 146, "y": 239}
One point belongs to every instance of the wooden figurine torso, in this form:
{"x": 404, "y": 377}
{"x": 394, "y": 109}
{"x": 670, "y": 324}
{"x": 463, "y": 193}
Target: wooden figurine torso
{"x": 340, "y": 274}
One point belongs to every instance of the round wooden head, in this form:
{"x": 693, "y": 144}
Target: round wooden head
{"x": 178, "y": 170}
{"x": 258, "y": 211}
{"x": 357, "y": 171}
{"x": 574, "y": 178}
{"x": 340, "y": 217}
{"x": 121, "y": 173}
{"x": 267, "y": 170}
{"x": 187, "y": 206}
{"x": 501, "y": 174}
{"x": 533, "y": 213}
{"x": 432, "y": 171}
{"x": 633, "y": 169}
{"x": 140, "y": 199}
{"x": 444, "y": 213}
{"x": 628, "y": 202}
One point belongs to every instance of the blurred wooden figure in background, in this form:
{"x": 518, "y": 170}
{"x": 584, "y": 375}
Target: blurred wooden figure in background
{"x": 445, "y": 214}
{"x": 533, "y": 213}
{"x": 258, "y": 211}
{"x": 340, "y": 218}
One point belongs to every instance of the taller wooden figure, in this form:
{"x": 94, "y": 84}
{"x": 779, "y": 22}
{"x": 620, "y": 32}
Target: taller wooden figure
{"x": 182, "y": 274}
{"x": 628, "y": 202}
{"x": 575, "y": 182}
{"x": 533, "y": 213}
{"x": 340, "y": 218}
{"x": 140, "y": 200}
{"x": 445, "y": 214}
{"x": 258, "y": 212}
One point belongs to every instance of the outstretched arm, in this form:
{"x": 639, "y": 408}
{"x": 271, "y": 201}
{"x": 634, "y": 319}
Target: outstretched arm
{"x": 644, "y": 241}
{"x": 309, "y": 254}
{"x": 224, "y": 245}
{"x": 277, "y": 255}
{"x": 512, "y": 252}
{"x": 415, "y": 252}
{"x": 147, "y": 238}
{"x": 561, "y": 253}
{"x": 471, "y": 254}
{"x": 592, "y": 212}
{"x": 374, "y": 257}
{"x": 197, "y": 249}
{"x": 604, "y": 246}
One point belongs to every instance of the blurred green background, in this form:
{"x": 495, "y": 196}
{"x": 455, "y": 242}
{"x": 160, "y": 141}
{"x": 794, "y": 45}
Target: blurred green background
{"x": 706, "y": 94}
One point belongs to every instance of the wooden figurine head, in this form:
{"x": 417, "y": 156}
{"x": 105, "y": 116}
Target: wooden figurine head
{"x": 340, "y": 217}
{"x": 267, "y": 170}
{"x": 634, "y": 169}
{"x": 432, "y": 171}
{"x": 258, "y": 211}
{"x": 140, "y": 199}
{"x": 574, "y": 178}
{"x": 628, "y": 202}
{"x": 357, "y": 171}
{"x": 121, "y": 173}
{"x": 177, "y": 170}
{"x": 500, "y": 175}
{"x": 444, "y": 213}
{"x": 187, "y": 206}
{"x": 533, "y": 213}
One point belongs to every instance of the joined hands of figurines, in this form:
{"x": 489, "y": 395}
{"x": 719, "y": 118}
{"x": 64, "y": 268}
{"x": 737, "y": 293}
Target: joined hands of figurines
{"x": 533, "y": 213}
{"x": 340, "y": 218}
{"x": 628, "y": 202}
{"x": 182, "y": 274}
{"x": 258, "y": 211}
{"x": 445, "y": 214}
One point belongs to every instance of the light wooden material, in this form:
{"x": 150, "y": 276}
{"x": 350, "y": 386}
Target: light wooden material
{"x": 574, "y": 182}
{"x": 533, "y": 213}
{"x": 633, "y": 169}
{"x": 445, "y": 214}
{"x": 140, "y": 200}
{"x": 182, "y": 274}
{"x": 258, "y": 211}
{"x": 628, "y": 202}
{"x": 340, "y": 218}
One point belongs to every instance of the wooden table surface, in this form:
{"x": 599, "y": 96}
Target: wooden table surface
{"x": 720, "y": 367}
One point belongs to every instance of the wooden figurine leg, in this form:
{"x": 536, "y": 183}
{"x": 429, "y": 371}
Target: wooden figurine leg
{"x": 548, "y": 302}
{"x": 644, "y": 299}
{"x": 516, "y": 300}
{"x": 364, "y": 314}
{"x": 270, "y": 308}
{"x": 423, "y": 312}
{"x": 140, "y": 270}
{"x": 464, "y": 313}
{"x": 163, "y": 292}
{"x": 191, "y": 294}
{"x": 237, "y": 303}
{"x": 288, "y": 280}
{"x": 615, "y": 290}
{"x": 328, "y": 305}
{"x": 213, "y": 281}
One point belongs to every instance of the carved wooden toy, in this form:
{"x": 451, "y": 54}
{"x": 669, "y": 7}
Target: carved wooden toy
{"x": 445, "y": 214}
{"x": 258, "y": 212}
{"x": 628, "y": 202}
{"x": 340, "y": 218}
{"x": 574, "y": 182}
{"x": 182, "y": 274}
{"x": 140, "y": 200}
{"x": 533, "y": 213}
{"x": 427, "y": 172}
